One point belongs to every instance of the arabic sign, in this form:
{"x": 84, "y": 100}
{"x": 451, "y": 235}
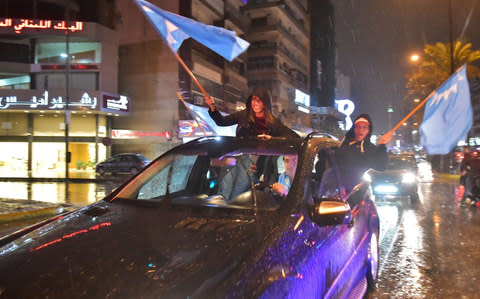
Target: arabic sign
{"x": 115, "y": 102}
{"x": 27, "y": 25}
{"x": 138, "y": 134}
{"x": 30, "y": 99}
{"x": 190, "y": 128}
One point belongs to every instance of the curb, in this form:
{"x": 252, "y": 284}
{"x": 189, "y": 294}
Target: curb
{"x": 41, "y": 212}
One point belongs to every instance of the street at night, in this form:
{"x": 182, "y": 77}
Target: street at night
{"x": 239, "y": 149}
{"x": 431, "y": 251}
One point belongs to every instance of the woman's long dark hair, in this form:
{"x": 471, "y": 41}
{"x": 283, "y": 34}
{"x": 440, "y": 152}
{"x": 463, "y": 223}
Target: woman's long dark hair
{"x": 264, "y": 95}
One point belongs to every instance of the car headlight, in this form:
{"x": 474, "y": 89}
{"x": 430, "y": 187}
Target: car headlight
{"x": 408, "y": 178}
{"x": 367, "y": 177}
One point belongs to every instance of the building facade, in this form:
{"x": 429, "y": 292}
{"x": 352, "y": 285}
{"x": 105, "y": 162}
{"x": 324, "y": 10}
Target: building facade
{"x": 58, "y": 87}
{"x": 150, "y": 73}
{"x": 279, "y": 55}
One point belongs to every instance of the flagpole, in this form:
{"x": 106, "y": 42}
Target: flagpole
{"x": 189, "y": 72}
{"x": 392, "y": 131}
{"x": 191, "y": 112}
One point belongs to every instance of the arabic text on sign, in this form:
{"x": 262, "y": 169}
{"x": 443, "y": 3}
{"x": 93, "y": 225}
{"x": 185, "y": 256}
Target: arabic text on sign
{"x": 47, "y": 102}
{"x": 20, "y": 24}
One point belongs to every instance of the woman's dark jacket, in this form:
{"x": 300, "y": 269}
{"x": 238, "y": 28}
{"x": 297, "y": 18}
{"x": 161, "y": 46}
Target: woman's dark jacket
{"x": 247, "y": 128}
{"x": 354, "y": 158}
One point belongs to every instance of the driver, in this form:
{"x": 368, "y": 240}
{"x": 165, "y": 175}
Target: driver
{"x": 285, "y": 179}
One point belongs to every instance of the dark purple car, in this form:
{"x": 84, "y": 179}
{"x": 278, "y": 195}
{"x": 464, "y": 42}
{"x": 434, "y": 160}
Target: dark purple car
{"x": 205, "y": 220}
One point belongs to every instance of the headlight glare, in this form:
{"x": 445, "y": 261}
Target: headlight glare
{"x": 408, "y": 178}
{"x": 367, "y": 177}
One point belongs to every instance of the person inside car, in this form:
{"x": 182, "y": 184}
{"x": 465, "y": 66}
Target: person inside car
{"x": 285, "y": 179}
{"x": 357, "y": 154}
{"x": 255, "y": 120}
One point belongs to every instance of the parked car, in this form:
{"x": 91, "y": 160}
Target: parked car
{"x": 182, "y": 229}
{"x": 399, "y": 181}
{"x": 122, "y": 163}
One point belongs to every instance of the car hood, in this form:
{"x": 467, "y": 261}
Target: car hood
{"x": 121, "y": 250}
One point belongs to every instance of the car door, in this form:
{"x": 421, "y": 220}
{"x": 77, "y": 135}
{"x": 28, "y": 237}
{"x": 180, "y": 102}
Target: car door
{"x": 364, "y": 223}
{"x": 110, "y": 164}
{"x": 338, "y": 254}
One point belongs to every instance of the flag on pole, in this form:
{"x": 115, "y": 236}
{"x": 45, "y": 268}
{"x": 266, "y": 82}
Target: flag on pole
{"x": 174, "y": 29}
{"x": 207, "y": 122}
{"x": 448, "y": 115}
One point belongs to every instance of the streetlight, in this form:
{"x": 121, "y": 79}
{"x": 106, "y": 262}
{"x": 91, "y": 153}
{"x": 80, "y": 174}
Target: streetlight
{"x": 414, "y": 57}
{"x": 389, "y": 113}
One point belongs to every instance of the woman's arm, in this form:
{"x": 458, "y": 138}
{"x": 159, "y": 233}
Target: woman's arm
{"x": 227, "y": 120}
{"x": 281, "y": 130}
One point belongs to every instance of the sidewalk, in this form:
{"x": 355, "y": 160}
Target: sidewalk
{"x": 17, "y": 209}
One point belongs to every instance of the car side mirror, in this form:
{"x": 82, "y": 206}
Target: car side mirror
{"x": 330, "y": 212}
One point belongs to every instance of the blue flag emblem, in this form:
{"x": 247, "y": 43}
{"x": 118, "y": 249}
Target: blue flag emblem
{"x": 448, "y": 115}
{"x": 174, "y": 29}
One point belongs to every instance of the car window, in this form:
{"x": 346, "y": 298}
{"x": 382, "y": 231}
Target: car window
{"x": 178, "y": 171}
{"x": 325, "y": 178}
{"x": 239, "y": 180}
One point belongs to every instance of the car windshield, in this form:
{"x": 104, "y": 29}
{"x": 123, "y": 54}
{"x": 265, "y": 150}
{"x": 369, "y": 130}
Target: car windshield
{"x": 235, "y": 180}
{"x": 399, "y": 163}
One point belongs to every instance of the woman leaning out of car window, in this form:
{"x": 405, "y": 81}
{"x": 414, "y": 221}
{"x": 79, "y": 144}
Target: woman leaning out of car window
{"x": 357, "y": 154}
{"x": 255, "y": 120}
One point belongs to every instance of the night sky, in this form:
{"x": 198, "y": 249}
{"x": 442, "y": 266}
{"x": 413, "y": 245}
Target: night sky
{"x": 376, "y": 37}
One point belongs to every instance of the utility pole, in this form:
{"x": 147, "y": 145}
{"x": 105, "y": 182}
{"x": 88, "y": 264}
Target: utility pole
{"x": 450, "y": 26}
{"x": 67, "y": 100}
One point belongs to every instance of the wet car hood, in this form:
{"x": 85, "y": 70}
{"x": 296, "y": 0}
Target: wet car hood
{"x": 112, "y": 249}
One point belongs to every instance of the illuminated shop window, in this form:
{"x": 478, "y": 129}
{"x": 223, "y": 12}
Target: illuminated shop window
{"x": 13, "y": 159}
{"x": 51, "y": 165}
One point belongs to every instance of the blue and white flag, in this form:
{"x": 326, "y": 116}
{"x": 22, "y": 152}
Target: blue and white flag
{"x": 201, "y": 113}
{"x": 174, "y": 29}
{"x": 448, "y": 115}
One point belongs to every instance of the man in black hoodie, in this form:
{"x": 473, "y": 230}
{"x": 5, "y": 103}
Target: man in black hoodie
{"x": 357, "y": 154}
{"x": 256, "y": 120}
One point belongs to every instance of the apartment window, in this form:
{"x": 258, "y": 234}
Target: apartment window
{"x": 56, "y": 52}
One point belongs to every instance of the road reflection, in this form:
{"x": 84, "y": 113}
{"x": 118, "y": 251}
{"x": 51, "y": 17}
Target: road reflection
{"x": 430, "y": 250}
{"x": 79, "y": 194}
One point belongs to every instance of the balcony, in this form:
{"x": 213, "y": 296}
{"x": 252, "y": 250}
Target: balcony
{"x": 277, "y": 47}
{"x": 280, "y": 28}
{"x": 288, "y": 11}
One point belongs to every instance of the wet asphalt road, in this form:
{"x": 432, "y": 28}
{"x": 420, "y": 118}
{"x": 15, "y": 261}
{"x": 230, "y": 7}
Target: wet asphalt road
{"x": 431, "y": 251}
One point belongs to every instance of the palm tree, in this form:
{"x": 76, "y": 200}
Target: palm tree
{"x": 434, "y": 69}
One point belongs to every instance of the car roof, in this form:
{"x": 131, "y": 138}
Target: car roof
{"x": 222, "y": 145}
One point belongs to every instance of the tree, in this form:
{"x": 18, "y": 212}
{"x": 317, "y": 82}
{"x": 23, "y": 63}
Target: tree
{"x": 434, "y": 68}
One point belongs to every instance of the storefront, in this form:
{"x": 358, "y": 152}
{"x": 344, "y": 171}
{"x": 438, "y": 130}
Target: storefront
{"x": 33, "y": 132}
{"x": 58, "y": 86}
